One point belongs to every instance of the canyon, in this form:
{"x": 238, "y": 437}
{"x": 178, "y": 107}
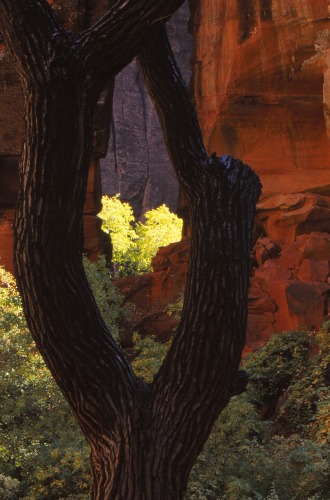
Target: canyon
{"x": 259, "y": 72}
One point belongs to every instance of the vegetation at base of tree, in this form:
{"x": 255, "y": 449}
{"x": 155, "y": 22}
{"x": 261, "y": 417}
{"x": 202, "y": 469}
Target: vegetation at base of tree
{"x": 272, "y": 442}
{"x": 108, "y": 299}
{"x": 136, "y": 243}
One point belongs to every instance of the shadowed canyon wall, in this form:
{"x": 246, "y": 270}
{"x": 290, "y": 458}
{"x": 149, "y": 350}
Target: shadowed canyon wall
{"x": 137, "y": 164}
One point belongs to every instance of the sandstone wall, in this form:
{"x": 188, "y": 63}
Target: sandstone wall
{"x": 262, "y": 87}
{"x": 290, "y": 278}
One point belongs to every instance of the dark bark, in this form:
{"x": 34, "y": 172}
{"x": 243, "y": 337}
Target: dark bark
{"x": 144, "y": 439}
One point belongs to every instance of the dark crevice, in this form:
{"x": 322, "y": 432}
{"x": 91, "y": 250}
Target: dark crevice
{"x": 266, "y": 10}
{"x": 247, "y": 18}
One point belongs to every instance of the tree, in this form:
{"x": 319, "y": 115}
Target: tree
{"x": 144, "y": 438}
{"x": 117, "y": 218}
{"x": 161, "y": 227}
{"x": 133, "y": 249}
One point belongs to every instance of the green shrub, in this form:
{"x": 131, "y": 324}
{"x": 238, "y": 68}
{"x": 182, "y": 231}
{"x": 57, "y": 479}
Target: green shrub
{"x": 42, "y": 451}
{"x": 272, "y": 442}
{"x": 117, "y": 220}
{"x": 136, "y": 243}
{"x": 148, "y": 355}
{"x": 109, "y": 301}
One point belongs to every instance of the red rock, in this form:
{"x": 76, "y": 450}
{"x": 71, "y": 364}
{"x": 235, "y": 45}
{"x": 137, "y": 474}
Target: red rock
{"x": 259, "y": 73}
{"x": 282, "y": 317}
{"x": 260, "y": 327}
{"x": 316, "y": 246}
{"x": 306, "y": 305}
{"x": 288, "y": 290}
{"x": 151, "y": 293}
{"x": 6, "y": 242}
{"x": 159, "y": 324}
{"x": 313, "y": 270}
{"x": 291, "y": 255}
{"x": 284, "y": 217}
{"x": 270, "y": 273}
{"x": 265, "y": 249}
{"x": 173, "y": 254}
{"x": 137, "y": 290}
{"x": 93, "y": 238}
{"x": 262, "y": 304}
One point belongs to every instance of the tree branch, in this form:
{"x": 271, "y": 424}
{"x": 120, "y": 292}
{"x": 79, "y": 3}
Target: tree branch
{"x": 29, "y": 28}
{"x": 194, "y": 382}
{"x": 118, "y": 36}
{"x": 175, "y": 109}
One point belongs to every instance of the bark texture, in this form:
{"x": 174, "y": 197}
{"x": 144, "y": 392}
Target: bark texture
{"x": 144, "y": 438}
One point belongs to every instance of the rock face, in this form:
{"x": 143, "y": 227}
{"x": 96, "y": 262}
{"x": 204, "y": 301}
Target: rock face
{"x": 284, "y": 217}
{"x": 137, "y": 164}
{"x": 261, "y": 82}
{"x": 262, "y": 87}
{"x": 291, "y": 290}
{"x": 290, "y": 283}
{"x": 151, "y": 293}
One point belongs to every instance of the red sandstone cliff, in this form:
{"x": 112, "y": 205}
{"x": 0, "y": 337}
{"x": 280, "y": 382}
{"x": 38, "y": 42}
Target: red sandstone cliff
{"x": 262, "y": 87}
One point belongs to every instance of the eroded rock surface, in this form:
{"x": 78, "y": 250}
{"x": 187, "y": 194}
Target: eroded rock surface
{"x": 290, "y": 283}
{"x": 286, "y": 216}
{"x": 262, "y": 87}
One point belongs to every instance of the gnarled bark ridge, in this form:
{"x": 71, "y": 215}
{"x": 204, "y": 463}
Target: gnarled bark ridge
{"x": 144, "y": 438}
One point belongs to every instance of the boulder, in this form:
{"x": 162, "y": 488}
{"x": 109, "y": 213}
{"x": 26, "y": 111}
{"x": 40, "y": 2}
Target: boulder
{"x": 151, "y": 293}
{"x": 305, "y": 304}
{"x": 286, "y": 216}
{"x": 289, "y": 288}
{"x": 265, "y": 249}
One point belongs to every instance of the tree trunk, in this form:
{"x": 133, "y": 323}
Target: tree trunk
{"x": 144, "y": 438}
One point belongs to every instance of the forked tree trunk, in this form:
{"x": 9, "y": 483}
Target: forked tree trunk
{"x": 144, "y": 438}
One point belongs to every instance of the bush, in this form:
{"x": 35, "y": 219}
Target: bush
{"x": 109, "y": 301}
{"x": 148, "y": 355}
{"x": 117, "y": 220}
{"x": 136, "y": 243}
{"x": 272, "y": 442}
{"x": 43, "y": 453}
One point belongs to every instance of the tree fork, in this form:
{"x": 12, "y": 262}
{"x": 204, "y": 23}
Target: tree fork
{"x": 144, "y": 438}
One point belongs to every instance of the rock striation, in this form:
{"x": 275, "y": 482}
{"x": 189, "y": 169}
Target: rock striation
{"x": 262, "y": 87}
